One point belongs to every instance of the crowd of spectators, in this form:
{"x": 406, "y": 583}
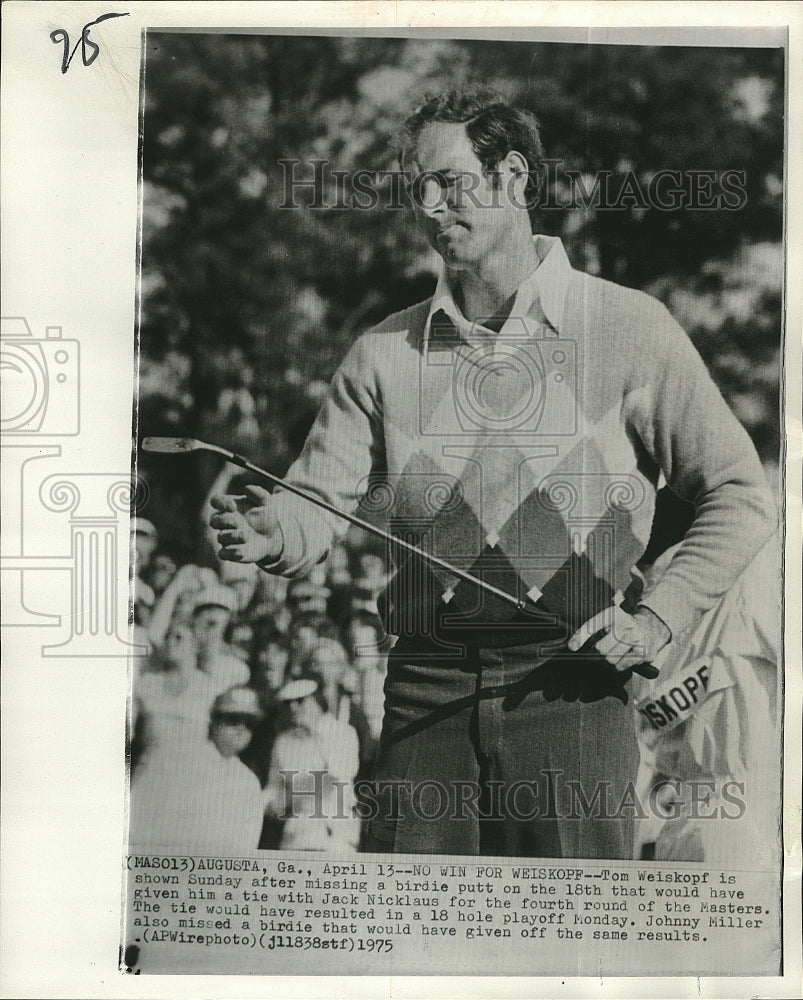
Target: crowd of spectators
{"x": 258, "y": 707}
{"x": 259, "y": 702}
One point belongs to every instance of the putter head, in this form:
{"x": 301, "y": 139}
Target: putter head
{"x": 170, "y": 445}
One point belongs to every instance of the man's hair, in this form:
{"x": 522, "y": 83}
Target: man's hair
{"x": 493, "y": 128}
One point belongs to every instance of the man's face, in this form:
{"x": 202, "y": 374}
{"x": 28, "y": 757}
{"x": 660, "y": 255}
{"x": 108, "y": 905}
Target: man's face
{"x": 142, "y": 613}
{"x": 304, "y": 712}
{"x": 144, "y": 545}
{"x": 231, "y": 734}
{"x": 180, "y": 645}
{"x": 241, "y": 639}
{"x": 330, "y": 662}
{"x": 337, "y": 566}
{"x": 272, "y": 665}
{"x": 464, "y": 216}
{"x": 161, "y": 571}
{"x": 303, "y": 639}
{"x": 371, "y": 567}
{"x": 208, "y": 625}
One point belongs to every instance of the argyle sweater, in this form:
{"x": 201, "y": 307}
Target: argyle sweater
{"x": 532, "y": 458}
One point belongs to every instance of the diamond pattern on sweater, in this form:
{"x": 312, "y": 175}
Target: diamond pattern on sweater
{"x": 538, "y": 515}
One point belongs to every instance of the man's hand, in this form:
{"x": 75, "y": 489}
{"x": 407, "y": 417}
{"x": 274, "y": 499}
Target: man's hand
{"x": 247, "y": 526}
{"x": 629, "y": 641}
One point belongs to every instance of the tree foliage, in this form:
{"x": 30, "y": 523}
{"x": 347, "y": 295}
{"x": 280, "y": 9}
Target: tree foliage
{"x": 247, "y": 306}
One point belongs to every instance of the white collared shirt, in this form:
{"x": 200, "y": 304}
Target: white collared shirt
{"x": 539, "y": 301}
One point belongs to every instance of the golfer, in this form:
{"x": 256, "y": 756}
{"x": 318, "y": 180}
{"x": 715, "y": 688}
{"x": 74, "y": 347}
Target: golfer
{"x": 518, "y": 424}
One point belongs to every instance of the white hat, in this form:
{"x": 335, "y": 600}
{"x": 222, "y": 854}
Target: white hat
{"x": 304, "y": 589}
{"x": 216, "y": 596}
{"x": 141, "y": 526}
{"x": 237, "y": 701}
{"x": 294, "y": 690}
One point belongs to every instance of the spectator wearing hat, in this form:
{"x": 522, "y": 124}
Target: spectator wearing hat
{"x": 177, "y": 656}
{"x": 144, "y": 600}
{"x": 270, "y": 601}
{"x": 177, "y": 685}
{"x": 212, "y": 611}
{"x": 154, "y": 705}
{"x": 177, "y": 600}
{"x": 306, "y": 630}
{"x": 314, "y": 763}
{"x": 269, "y": 660}
{"x": 329, "y": 662}
{"x": 162, "y": 567}
{"x": 143, "y": 541}
{"x": 308, "y": 595}
{"x": 239, "y": 637}
{"x": 171, "y": 701}
{"x": 205, "y": 799}
{"x": 173, "y": 694}
{"x": 235, "y": 715}
{"x": 370, "y": 579}
{"x": 145, "y": 538}
{"x": 270, "y": 656}
{"x": 339, "y": 584}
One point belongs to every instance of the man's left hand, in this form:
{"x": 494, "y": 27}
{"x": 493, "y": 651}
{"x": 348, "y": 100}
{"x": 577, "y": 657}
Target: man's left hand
{"x": 629, "y": 640}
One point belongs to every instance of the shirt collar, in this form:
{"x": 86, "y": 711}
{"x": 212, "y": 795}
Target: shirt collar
{"x": 541, "y": 296}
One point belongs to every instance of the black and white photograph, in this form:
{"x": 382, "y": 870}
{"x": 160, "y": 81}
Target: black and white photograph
{"x": 445, "y": 602}
{"x": 458, "y": 410}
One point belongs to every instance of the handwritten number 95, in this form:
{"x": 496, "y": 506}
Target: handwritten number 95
{"x": 61, "y": 37}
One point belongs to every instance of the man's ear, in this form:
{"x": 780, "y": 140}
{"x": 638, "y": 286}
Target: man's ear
{"x": 518, "y": 171}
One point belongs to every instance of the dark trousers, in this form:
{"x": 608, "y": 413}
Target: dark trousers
{"x": 505, "y": 752}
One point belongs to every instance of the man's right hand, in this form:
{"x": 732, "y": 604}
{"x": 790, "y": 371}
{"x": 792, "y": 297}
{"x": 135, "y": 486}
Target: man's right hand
{"x": 247, "y": 526}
